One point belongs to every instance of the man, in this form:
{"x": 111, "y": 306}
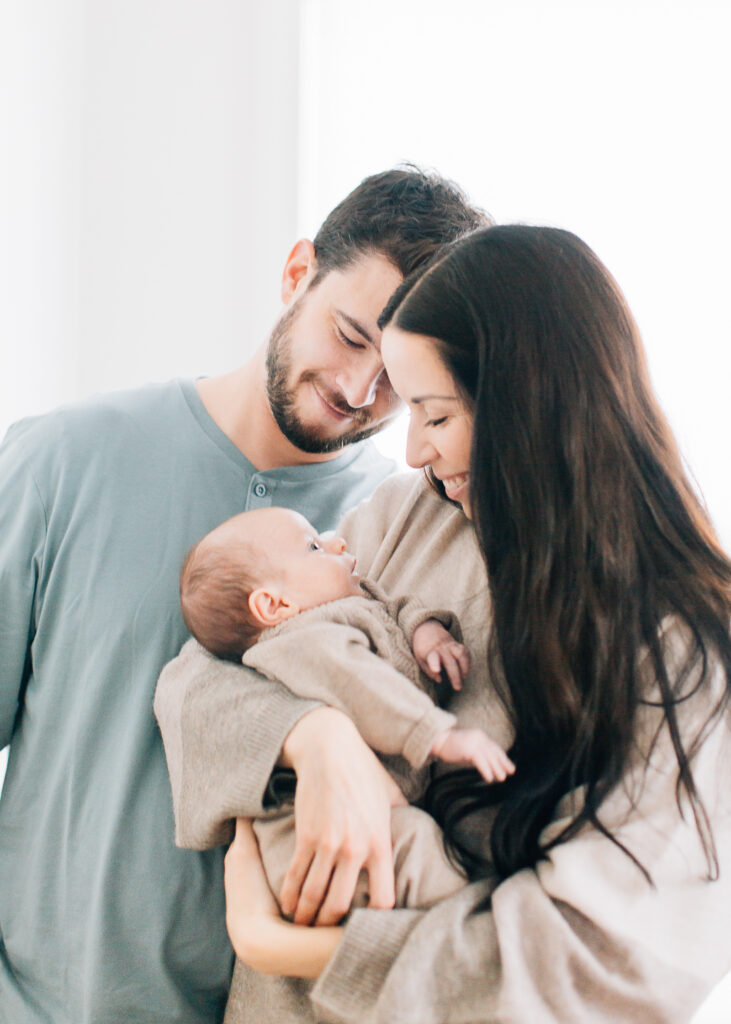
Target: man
{"x": 101, "y": 919}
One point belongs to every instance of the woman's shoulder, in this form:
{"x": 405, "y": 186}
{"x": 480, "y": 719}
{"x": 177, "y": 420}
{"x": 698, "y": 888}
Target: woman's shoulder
{"x": 401, "y": 488}
{"x": 398, "y": 498}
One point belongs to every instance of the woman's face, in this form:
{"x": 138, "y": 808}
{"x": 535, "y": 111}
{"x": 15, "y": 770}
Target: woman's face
{"x": 440, "y": 427}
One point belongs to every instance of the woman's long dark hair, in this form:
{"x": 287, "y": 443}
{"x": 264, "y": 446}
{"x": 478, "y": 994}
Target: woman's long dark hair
{"x": 590, "y": 531}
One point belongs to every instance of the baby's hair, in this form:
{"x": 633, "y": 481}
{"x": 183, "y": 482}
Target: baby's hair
{"x": 215, "y": 583}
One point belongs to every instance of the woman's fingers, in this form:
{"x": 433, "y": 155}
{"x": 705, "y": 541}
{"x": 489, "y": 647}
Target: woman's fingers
{"x": 381, "y": 882}
{"x": 340, "y": 893}
{"x": 294, "y": 879}
{"x": 314, "y": 887}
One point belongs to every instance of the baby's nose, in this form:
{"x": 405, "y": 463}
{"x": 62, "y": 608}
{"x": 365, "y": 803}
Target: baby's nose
{"x": 337, "y": 545}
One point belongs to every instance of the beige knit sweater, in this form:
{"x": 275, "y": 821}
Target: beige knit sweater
{"x": 355, "y": 654}
{"x": 582, "y": 938}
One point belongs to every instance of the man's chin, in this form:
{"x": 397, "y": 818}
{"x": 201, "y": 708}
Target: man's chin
{"x": 315, "y": 441}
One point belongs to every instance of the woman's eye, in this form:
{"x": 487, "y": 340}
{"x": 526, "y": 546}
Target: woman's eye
{"x": 348, "y": 341}
{"x": 437, "y": 422}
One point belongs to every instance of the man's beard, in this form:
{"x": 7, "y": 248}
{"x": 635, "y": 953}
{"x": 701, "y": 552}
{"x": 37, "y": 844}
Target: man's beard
{"x": 281, "y": 392}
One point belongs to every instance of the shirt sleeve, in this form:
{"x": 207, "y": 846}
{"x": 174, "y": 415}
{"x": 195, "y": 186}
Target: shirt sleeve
{"x": 581, "y": 938}
{"x": 22, "y": 540}
{"x": 223, "y": 726}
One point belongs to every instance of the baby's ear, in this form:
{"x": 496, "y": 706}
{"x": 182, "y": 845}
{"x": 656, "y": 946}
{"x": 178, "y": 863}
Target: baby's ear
{"x": 268, "y": 608}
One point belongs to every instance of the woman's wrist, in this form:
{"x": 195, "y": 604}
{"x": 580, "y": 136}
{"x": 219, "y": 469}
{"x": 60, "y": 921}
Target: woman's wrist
{"x": 314, "y": 728}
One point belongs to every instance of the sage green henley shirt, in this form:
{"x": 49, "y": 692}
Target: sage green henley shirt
{"x": 102, "y": 919}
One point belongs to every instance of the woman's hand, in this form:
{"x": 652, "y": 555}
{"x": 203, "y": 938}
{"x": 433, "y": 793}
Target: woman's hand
{"x": 342, "y": 820}
{"x": 258, "y": 934}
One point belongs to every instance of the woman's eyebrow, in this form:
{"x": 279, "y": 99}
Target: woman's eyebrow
{"x": 430, "y": 398}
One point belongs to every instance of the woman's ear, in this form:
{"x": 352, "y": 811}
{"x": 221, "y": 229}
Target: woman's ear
{"x": 268, "y": 608}
{"x": 299, "y": 267}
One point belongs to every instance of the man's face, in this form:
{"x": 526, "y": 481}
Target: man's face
{"x": 325, "y": 379}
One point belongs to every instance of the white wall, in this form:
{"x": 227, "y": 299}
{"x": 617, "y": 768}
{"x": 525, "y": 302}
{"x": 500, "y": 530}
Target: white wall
{"x": 610, "y": 119}
{"x": 148, "y": 189}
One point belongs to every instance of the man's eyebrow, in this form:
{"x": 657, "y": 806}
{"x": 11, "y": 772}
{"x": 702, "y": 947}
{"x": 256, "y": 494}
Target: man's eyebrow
{"x": 356, "y": 326}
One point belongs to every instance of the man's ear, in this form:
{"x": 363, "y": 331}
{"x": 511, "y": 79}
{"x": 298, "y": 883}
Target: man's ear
{"x": 300, "y": 266}
{"x": 270, "y": 609}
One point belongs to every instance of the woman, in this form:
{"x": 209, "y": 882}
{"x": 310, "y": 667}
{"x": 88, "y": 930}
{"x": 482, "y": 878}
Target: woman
{"x": 602, "y": 887}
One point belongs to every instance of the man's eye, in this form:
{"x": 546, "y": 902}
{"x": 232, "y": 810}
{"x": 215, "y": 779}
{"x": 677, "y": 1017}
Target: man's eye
{"x": 348, "y": 341}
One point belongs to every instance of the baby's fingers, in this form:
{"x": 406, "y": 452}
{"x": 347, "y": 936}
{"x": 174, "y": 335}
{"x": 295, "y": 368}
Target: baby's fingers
{"x": 451, "y": 668}
{"x": 433, "y": 665}
{"x": 499, "y": 765}
{"x": 464, "y": 661}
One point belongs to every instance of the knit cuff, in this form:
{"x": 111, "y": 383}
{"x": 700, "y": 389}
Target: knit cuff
{"x": 417, "y": 747}
{"x": 412, "y": 617}
{"x": 348, "y": 989}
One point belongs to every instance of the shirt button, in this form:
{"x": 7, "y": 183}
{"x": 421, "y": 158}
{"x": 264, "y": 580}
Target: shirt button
{"x": 260, "y": 490}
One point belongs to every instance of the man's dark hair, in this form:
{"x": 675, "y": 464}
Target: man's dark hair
{"x": 405, "y": 213}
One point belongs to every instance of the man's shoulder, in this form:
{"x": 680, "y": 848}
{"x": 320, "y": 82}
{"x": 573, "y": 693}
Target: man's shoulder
{"x": 98, "y": 434}
{"x": 82, "y": 424}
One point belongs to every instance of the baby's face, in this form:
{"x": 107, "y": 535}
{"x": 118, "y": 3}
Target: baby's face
{"x": 310, "y": 570}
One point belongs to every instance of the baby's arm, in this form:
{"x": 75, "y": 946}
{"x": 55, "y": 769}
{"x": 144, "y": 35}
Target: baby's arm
{"x": 434, "y": 636}
{"x": 333, "y": 663}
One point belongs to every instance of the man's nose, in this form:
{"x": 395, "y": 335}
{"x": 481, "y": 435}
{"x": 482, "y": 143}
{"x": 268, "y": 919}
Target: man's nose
{"x": 359, "y": 387}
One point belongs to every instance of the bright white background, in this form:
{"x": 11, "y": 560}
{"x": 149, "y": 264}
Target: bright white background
{"x": 159, "y": 157}
{"x": 608, "y": 118}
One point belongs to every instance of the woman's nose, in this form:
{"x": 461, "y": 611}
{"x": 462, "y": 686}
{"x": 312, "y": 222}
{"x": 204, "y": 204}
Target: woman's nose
{"x": 419, "y": 451}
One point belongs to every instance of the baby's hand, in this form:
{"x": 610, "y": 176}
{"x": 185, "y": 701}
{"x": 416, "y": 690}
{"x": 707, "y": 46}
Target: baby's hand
{"x": 473, "y": 746}
{"x": 436, "y": 652}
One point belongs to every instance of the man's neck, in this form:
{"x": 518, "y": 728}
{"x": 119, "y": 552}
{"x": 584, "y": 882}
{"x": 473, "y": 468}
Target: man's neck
{"x": 237, "y": 403}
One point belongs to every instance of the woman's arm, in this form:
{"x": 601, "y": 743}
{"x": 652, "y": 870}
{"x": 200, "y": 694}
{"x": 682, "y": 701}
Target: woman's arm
{"x": 260, "y": 937}
{"x": 224, "y": 729}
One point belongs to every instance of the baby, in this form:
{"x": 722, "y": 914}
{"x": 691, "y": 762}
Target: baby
{"x": 264, "y": 588}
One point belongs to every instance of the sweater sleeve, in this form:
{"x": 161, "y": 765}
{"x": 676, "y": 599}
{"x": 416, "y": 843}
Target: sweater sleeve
{"x": 22, "y": 540}
{"x": 581, "y": 938}
{"x": 333, "y": 663}
{"x": 223, "y": 727}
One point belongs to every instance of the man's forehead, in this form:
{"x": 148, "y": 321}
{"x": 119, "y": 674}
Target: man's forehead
{"x": 361, "y": 290}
